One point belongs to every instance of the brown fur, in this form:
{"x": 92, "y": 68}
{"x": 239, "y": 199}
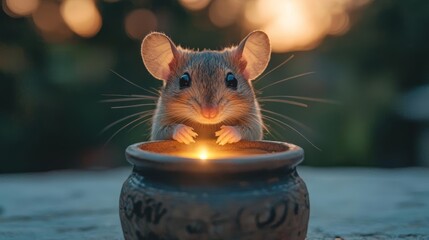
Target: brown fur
{"x": 208, "y": 70}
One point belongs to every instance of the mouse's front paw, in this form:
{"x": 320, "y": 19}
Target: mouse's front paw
{"x": 227, "y": 134}
{"x": 184, "y": 134}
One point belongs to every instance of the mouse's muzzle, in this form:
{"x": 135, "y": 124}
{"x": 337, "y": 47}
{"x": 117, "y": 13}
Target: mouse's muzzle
{"x": 209, "y": 111}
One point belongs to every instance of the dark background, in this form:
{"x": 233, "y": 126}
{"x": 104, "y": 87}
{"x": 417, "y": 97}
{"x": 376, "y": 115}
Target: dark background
{"x": 52, "y": 81}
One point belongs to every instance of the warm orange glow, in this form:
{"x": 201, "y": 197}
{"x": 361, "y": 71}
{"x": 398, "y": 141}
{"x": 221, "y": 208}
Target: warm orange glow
{"x": 59, "y": 35}
{"x": 48, "y": 17}
{"x": 82, "y": 17}
{"x": 340, "y": 24}
{"x": 140, "y": 22}
{"x": 293, "y": 29}
{"x": 258, "y": 13}
{"x": 299, "y": 24}
{"x": 223, "y": 13}
{"x": 22, "y": 7}
{"x": 194, "y": 5}
{"x": 203, "y": 154}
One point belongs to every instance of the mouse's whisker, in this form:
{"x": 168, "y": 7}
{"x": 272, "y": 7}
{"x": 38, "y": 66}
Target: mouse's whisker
{"x": 130, "y": 82}
{"x": 127, "y": 99}
{"x": 127, "y": 95}
{"x": 256, "y": 121}
{"x": 300, "y": 124}
{"x": 270, "y": 120}
{"x": 122, "y": 128}
{"x": 123, "y": 119}
{"x": 285, "y": 79}
{"x": 142, "y": 122}
{"x": 176, "y": 114}
{"x": 320, "y": 100}
{"x": 156, "y": 91}
{"x": 283, "y": 125}
{"x": 272, "y": 131}
{"x": 132, "y": 106}
{"x": 275, "y": 68}
{"x": 261, "y": 122}
{"x": 295, "y": 103}
{"x": 184, "y": 119}
{"x": 229, "y": 121}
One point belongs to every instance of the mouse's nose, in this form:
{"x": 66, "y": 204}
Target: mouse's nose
{"x": 209, "y": 111}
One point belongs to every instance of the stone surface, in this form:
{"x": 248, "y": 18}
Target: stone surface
{"x": 346, "y": 203}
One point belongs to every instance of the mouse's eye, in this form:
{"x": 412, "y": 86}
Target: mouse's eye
{"x": 231, "y": 81}
{"x": 185, "y": 81}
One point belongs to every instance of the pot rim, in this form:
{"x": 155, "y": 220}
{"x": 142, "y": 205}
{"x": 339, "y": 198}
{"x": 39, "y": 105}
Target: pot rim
{"x": 289, "y": 158}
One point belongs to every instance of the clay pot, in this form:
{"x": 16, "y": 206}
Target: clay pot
{"x": 255, "y": 196}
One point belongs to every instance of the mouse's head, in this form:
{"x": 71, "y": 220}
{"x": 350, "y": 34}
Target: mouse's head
{"x": 208, "y": 87}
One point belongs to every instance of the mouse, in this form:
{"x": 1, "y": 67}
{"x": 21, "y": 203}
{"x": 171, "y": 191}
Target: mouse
{"x": 206, "y": 94}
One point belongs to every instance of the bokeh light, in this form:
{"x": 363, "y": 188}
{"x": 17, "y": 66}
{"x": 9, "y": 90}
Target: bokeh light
{"x": 82, "y": 17}
{"x": 48, "y": 17}
{"x": 340, "y": 24}
{"x": 48, "y": 20}
{"x": 293, "y": 28}
{"x": 223, "y": 13}
{"x": 45, "y": 64}
{"x": 299, "y": 24}
{"x": 194, "y": 5}
{"x": 21, "y": 7}
{"x": 139, "y": 22}
{"x": 259, "y": 12}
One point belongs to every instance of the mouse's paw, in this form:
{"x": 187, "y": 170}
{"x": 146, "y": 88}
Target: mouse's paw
{"x": 184, "y": 134}
{"x": 227, "y": 134}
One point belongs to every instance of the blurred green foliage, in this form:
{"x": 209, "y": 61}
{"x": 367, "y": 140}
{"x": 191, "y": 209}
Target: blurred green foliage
{"x": 51, "y": 116}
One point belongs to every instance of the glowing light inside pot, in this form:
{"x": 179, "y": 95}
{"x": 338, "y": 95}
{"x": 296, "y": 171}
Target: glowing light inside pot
{"x": 203, "y": 155}
{"x": 210, "y": 151}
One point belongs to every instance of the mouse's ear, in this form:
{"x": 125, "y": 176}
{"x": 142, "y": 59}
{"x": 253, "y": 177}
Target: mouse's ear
{"x": 254, "y": 54}
{"x": 159, "y": 53}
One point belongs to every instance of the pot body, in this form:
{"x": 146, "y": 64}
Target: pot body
{"x": 254, "y": 205}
